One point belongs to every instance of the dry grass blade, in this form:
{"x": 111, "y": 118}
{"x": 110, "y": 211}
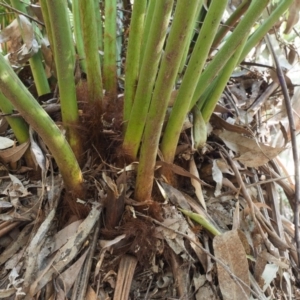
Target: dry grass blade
{"x": 67, "y": 252}
{"x": 80, "y": 289}
{"x": 125, "y": 274}
{"x": 17, "y": 245}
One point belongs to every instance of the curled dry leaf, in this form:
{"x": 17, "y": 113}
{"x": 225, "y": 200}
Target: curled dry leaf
{"x": 5, "y": 143}
{"x": 3, "y": 125}
{"x": 37, "y": 11}
{"x": 17, "y": 188}
{"x": 251, "y": 153}
{"x": 106, "y": 244}
{"x": 179, "y": 171}
{"x": 12, "y": 155}
{"x": 20, "y": 29}
{"x": 293, "y": 17}
{"x": 174, "y": 195}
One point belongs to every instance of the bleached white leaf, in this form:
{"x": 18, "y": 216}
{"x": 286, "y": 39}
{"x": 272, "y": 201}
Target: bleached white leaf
{"x": 37, "y": 152}
{"x": 217, "y": 177}
{"x": 163, "y": 192}
{"x": 5, "y": 204}
{"x": 196, "y": 184}
{"x": 269, "y": 274}
{"x": 106, "y": 244}
{"x": 5, "y": 143}
{"x": 287, "y": 278}
{"x": 13, "y": 281}
{"x": 17, "y": 186}
{"x": 27, "y": 31}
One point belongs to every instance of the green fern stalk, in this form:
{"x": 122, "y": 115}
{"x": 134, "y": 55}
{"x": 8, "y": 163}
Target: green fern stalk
{"x": 78, "y": 34}
{"x": 14, "y": 90}
{"x": 192, "y": 34}
{"x": 90, "y": 35}
{"x": 230, "y": 22}
{"x": 133, "y": 55}
{"x": 64, "y": 55}
{"x": 109, "y": 60}
{"x": 36, "y": 64}
{"x": 266, "y": 25}
{"x": 19, "y": 127}
{"x": 99, "y": 29}
{"x": 255, "y": 10}
{"x": 191, "y": 78}
{"x": 147, "y": 27}
{"x": 183, "y": 22}
{"x": 45, "y": 13}
{"x": 148, "y": 73}
{"x": 220, "y": 83}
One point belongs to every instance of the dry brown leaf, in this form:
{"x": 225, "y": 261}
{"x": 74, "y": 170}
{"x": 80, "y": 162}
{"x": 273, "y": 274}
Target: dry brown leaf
{"x": 90, "y": 294}
{"x": 110, "y": 183}
{"x": 229, "y": 249}
{"x": 293, "y": 16}
{"x": 67, "y": 252}
{"x": 176, "y": 222}
{"x": 228, "y": 183}
{"x": 15, "y": 32}
{"x": 69, "y": 276}
{"x": 18, "y": 243}
{"x": 37, "y": 11}
{"x": 236, "y": 217}
{"x": 223, "y": 166}
{"x": 7, "y": 292}
{"x": 3, "y": 125}
{"x": 106, "y": 244}
{"x": 218, "y": 122}
{"x": 175, "y": 196}
{"x": 179, "y": 171}
{"x": 259, "y": 267}
{"x": 206, "y": 292}
{"x": 277, "y": 261}
{"x": 251, "y": 153}
{"x": 12, "y": 155}
{"x": 63, "y": 235}
{"x": 17, "y": 189}
{"x": 124, "y": 279}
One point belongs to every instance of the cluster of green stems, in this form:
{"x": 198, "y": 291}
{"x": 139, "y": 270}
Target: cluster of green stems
{"x": 160, "y": 56}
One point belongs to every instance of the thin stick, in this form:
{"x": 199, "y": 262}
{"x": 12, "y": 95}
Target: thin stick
{"x": 21, "y": 13}
{"x": 292, "y": 126}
